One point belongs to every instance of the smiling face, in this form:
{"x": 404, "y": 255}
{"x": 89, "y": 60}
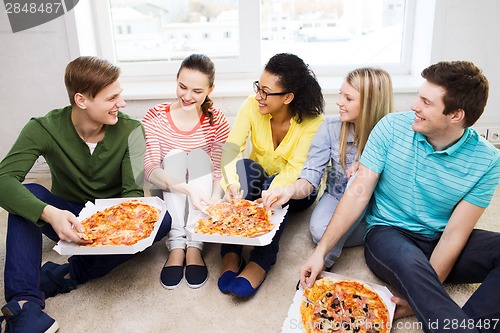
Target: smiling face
{"x": 103, "y": 108}
{"x": 192, "y": 89}
{"x": 273, "y": 104}
{"x": 349, "y": 103}
{"x": 429, "y": 107}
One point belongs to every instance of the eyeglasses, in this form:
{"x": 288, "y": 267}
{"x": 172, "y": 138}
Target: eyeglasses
{"x": 263, "y": 94}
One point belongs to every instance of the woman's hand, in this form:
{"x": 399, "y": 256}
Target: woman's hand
{"x": 276, "y": 197}
{"x": 233, "y": 192}
{"x": 198, "y": 199}
{"x": 352, "y": 170}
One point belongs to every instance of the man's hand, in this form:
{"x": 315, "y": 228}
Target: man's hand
{"x": 233, "y": 192}
{"x": 64, "y": 223}
{"x": 311, "y": 269}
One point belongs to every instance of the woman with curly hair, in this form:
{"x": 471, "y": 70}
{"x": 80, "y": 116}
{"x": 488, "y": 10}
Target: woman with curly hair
{"x": 281, "y": 120}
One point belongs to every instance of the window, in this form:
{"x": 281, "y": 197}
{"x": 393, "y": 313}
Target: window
{"x": 329, "y": 34}
{"x": 332, "y": 36}
{"x": 163, "y": 32}
{"x": 189, "y": 21}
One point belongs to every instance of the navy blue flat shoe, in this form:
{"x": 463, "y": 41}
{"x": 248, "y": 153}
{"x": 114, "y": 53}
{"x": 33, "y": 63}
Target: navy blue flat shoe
{"x": 242, "y": 287}
{"x": 196, "y": 275}
{"x": 225, "y": 280}
{"x": 228, "y": 276}
{"x": 171, "y": 276}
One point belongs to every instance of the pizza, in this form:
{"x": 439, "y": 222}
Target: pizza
{"x": 343, "y": 306}
{"x": 123, "y": 224}
{"x": 236, "y": 218}
{"x": 219, "y": 210}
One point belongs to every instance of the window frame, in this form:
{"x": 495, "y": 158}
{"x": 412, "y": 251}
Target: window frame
{"x": 245, "y": 63}
{"x": 234, "y": 77}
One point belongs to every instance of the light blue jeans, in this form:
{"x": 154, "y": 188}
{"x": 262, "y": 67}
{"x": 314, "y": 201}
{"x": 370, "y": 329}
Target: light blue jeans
{"x": 319, "y": 221}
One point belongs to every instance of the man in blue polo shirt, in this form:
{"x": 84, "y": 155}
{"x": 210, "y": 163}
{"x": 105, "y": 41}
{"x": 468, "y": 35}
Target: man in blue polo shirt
{"x": 431, "y": 176}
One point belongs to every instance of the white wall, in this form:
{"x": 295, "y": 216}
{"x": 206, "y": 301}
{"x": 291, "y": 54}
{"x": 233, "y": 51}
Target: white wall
{"x": 468, "y": 30}
{"x": 32, "y": 65}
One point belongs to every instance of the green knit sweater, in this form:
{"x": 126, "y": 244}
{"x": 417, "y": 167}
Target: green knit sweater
{"x": 77, "y": 176}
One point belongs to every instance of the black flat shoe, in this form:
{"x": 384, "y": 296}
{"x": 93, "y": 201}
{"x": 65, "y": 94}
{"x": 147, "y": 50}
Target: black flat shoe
{"x": 196, "y": 275}
{"x": 171, "y": 276}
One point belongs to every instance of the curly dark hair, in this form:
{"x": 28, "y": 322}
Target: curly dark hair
{"x": 296, "y": 77}
{"x": 466, "y": 87}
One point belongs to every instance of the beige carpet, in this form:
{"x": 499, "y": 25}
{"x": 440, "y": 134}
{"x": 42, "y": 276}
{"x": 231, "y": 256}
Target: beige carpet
{"x": 131, "y": 299}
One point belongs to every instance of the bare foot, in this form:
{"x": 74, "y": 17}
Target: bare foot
{"x": 403, "y": 308}
{"x": 175, "y": 258}
{"x": 230, "y": 262}
{"x": 194, "y": 257}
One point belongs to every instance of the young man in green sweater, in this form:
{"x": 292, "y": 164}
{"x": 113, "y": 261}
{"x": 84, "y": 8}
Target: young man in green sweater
{"x": 87, "y": 148}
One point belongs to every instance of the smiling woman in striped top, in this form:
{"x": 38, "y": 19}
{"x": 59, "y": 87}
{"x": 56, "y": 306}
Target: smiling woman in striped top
{"x": 184, "y": 146}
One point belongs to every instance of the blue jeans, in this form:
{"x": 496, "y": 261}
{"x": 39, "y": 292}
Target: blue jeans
{"x": 320, "y": 218}
{"x": 401, "y": 258}
{"x": 256, "y": 181}
{"x": 24, "y": 252}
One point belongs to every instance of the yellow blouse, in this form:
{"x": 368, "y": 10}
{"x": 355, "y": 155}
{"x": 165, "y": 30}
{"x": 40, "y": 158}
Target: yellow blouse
{"x": 286, "y": 161}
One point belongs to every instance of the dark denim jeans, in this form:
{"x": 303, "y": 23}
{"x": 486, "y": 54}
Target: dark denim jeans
{"x": 256, "y": 181}
{"x": 401, "y": 258}
{"x": 24, "y": 252}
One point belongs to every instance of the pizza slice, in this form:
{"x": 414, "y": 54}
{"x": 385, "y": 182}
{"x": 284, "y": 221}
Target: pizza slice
{"x": 219, "y": 210}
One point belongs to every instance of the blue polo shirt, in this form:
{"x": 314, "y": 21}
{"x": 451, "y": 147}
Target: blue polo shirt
{"x": 418, "y": 187}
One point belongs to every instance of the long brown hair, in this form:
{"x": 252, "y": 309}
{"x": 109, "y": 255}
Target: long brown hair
{"x": 202, "y": 64}
{"x": 376, "y": 96}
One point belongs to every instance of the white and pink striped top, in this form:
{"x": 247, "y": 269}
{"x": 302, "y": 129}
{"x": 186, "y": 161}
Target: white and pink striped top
{"x": 162, "y": 136}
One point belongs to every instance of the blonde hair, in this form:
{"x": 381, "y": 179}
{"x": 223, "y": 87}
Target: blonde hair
{"x": 376, "y": 96}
